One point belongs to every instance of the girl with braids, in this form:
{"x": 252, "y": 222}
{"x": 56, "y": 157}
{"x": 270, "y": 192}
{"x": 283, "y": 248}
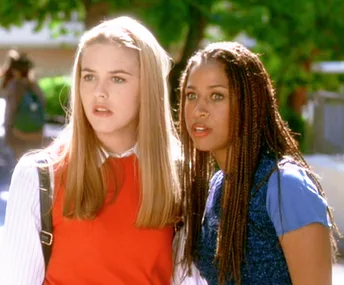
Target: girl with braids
{"x": 265, "y": 219}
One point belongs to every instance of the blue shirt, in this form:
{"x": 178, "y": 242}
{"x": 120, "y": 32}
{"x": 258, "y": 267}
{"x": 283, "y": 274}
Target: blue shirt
{"x": 297, "y": 203}
{"x": 272, "y": 212}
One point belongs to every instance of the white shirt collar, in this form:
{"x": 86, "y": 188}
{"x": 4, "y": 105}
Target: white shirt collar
{"x": 104, "y": 154}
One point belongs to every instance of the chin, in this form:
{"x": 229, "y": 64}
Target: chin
{"x": 103, "y": 131}
{"x": 201, "y": 147}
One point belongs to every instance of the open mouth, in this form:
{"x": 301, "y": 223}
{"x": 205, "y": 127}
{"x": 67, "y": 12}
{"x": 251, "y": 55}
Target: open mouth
{"x": 199, "y": 129}
{"x": 102, "y": 111}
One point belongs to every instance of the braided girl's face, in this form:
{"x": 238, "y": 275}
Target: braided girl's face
{"x": 207, "y": 107}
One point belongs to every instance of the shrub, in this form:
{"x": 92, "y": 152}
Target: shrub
{"x": 56, "y": 91}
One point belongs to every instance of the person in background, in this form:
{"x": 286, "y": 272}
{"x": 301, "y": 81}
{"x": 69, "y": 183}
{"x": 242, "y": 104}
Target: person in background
{"x": 24, "y": 113}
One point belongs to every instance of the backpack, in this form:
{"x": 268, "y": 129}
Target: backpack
{"x": 30, "y": 114}
{"x": 45, "y": 200}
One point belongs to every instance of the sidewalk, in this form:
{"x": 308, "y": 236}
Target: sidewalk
{"x": 338, "y": 273}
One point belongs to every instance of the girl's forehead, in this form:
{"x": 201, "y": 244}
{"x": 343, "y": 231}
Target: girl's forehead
{"x": 207, "y": 74}
{"x": 109, "y": 54}
{"x": 210, "y": 67}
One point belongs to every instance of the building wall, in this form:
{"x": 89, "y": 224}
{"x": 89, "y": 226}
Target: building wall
{"x": 327, "y": 121}
{"x": 49, "y": 61}
{"x": 53, "y": 55}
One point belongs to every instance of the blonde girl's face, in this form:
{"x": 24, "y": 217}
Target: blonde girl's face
{"x": 109, "y": 90}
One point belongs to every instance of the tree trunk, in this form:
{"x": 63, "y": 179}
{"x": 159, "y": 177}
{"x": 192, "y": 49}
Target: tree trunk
{"x": 299, "y": 96}
{"x": 194, "y": 36}
{"x": 95, "y": 13}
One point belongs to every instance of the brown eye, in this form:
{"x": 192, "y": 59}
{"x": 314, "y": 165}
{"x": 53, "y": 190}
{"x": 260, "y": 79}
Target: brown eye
{"x": 216, "y": 97}
{"x": 191, "y": 96}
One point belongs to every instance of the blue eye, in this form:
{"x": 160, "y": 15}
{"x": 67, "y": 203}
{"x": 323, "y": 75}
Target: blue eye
{"x": 191, "y": 96}
{"x": 117, "y": 79}
{"x": 88, "y": 77}
{"x": 216, "y": 97}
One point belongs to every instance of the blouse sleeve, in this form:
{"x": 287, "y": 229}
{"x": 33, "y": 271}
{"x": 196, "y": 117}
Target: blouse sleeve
{"x": 21, "y": 258}
{"x": 297, "y": 203}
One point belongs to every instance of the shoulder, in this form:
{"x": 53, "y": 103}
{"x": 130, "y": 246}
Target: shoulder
{"x": 35, "y": 87}
{"x": 16, "y": 84}
{"x": 25, "y": 174}
{"x": 27, "y": 166}
{"x": 16, "y": 88}
{"x": 293, "y": 177}
{"x": 293, "y": 199}
{"x": 25, "y": 181}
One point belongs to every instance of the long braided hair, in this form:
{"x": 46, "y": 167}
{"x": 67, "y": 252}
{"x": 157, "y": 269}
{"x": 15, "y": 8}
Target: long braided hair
{"x": 254, "y": 122}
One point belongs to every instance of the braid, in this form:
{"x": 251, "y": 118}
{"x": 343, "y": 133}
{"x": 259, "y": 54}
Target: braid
{"x": 195, "y": 175}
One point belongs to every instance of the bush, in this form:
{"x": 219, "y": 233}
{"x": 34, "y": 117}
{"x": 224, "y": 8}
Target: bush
{"x": 56, "y": 91}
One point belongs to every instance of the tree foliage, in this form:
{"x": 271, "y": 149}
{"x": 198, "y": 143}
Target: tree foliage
{"x": 290, "y": 34}
{"x": 179, "y": 25}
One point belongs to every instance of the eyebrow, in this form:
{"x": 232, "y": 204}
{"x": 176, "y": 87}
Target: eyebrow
{"x": 111, "y": 72}
{"x": 209, "y": 87}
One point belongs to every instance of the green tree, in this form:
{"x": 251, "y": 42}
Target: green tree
{"x": 179, "y": 25}
{"x": 290, "y": 34}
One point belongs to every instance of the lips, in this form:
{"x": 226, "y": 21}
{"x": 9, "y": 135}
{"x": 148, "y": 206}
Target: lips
{"x": 100, "y": 110}
{"x": 200, "y": 130}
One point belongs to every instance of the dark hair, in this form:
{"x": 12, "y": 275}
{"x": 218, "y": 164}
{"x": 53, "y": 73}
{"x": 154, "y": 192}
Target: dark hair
{"x": 257, "y": 124}
{"x": 15, "y": 61}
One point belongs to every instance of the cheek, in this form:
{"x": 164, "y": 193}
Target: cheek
{"x": 136, "y": 109}
{"x": 84, "y": 100}
{"x": 187, "y": 112}
{"x": 84, "y": 92}
{"x": 84, "y": 87}
{"x": 225, "y": 122}
{"x": 132, "y": 106}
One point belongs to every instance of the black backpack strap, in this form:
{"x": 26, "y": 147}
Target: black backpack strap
{"x": 45, "y": 194}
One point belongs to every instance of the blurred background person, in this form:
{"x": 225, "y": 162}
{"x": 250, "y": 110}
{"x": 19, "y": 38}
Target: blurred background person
{"x": 24, "y": 113}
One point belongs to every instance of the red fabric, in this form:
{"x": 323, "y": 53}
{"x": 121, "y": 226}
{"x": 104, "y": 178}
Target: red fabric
{"x": 110, "y": 249}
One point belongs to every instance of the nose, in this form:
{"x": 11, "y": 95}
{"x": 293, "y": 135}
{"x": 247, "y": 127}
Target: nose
{"x": 201, "y": 110}
{"x": 101, "y": 91}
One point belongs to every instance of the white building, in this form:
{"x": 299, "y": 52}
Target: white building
{"x": 51, "y": 55}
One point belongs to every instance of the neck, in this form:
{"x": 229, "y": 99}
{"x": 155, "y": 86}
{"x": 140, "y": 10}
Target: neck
{"x": 221, "y": 157}
{"x": 117, "y": 146}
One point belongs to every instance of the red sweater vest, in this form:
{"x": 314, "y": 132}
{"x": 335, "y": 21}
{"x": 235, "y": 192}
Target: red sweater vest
{"x": 110, "y": 249}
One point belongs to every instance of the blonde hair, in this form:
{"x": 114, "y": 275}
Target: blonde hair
{"x": 86, "y": 184}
